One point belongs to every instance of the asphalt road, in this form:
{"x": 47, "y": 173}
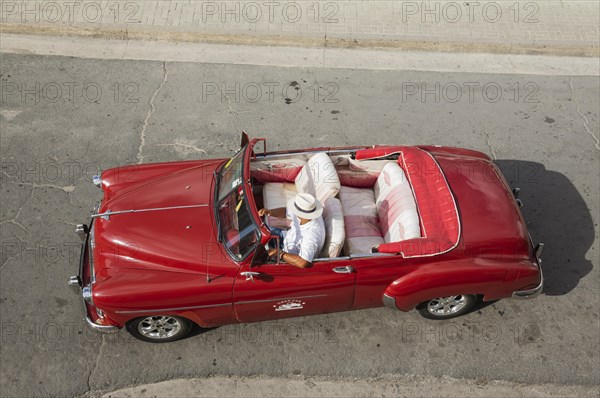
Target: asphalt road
{"x": 63, "y": 119}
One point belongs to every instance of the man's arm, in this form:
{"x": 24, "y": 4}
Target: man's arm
{"x": 295, "y": 260}
{"x": 292, "y": 259}
{"x": 279, "y": 213}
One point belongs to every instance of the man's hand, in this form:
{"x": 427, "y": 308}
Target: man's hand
{"x": 277, "y": 213}
{"x": 272, "y": 252}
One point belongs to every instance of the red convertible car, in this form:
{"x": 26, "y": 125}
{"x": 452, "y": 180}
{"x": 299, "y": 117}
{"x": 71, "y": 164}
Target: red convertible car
{"x": 178, "y": 244}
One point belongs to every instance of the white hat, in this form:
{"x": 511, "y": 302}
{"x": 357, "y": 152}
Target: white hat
{"x": 304, "y": 205}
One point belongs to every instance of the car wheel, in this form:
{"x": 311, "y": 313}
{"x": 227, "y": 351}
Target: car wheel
{"x": 159, "y": 328}
{"x": 447, "y": 307}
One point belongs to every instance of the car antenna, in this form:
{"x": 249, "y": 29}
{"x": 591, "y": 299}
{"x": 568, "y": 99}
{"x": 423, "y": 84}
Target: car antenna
{"x": 208, "y": 280}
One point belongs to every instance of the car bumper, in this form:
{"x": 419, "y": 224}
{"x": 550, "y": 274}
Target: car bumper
{"x": 530, "y": 293}
{"x": 390, "y": 302}
{"x": 105, "y": 329}
{"x": 75, "y": 282}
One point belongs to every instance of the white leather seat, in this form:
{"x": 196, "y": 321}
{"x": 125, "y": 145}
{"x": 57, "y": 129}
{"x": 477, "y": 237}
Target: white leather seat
{"x": 396, "y": 207}
{"x": 334, "y": 228}
{"x": 360, "y": 219}
{"x": 277, "y": 194}
{"x": 276, "y": 170}
{"x": 317, "y": 177}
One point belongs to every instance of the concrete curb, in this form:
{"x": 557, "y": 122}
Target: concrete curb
{"x": 335, "y": 58}
{"x": 117, "y": 32}
{"x": 405, "y": 386}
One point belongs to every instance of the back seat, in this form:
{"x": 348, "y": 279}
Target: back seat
{"x": 385, "y": 214}
{"x": 360, "y": 218}
{"x": 396, "y": 207}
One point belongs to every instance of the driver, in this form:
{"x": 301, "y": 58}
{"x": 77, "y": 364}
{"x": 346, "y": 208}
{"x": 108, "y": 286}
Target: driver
{"x": 305, "y": 239}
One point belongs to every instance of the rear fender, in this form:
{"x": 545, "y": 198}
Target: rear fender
{"x": 410, "y": 290}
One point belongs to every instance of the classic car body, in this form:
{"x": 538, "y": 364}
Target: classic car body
{"x": 182, "y": 243}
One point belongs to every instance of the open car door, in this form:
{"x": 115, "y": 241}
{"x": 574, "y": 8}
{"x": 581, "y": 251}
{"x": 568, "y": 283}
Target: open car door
{"x": 274, "y": 291}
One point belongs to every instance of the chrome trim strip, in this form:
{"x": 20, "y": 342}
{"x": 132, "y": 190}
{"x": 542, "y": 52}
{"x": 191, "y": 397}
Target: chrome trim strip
{"x": 279, "y": 299}
{"x": 367, "y": 255}
{"x": 288, "y": 154}
{"x": 172, "y": 309}
{"x": 112, "y": 213}
{"x": 215, "y": 305}
{"x": 326, "y": 259}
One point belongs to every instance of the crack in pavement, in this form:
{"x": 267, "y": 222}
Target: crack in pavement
{"x": 489, "y": 144}
{"x": 230, "y": 108}
{"x": 585, "y": 121}
{"x": 140, "y": 155}
{"x": 15, "y": 222}
{"x": 23, "y": 243}
{"x": 18, "y": 213}
{"x": 188, "y": 146}
{"x": 66, "y": 188}
{"x": 89, "y": 386}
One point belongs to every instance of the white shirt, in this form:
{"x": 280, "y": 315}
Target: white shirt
{"x": 306, "y": 240}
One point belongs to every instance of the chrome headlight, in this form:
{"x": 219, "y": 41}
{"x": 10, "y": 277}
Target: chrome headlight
{"x": 97, "y": 180}
{"x": 86, "y": 293}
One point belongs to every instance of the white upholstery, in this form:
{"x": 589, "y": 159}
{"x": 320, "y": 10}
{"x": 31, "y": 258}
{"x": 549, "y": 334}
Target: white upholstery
{"x": 368, "y": 165}
{"x": 277, "y": 194}
{"x": 360, "y": 218}
{"x": 319, "y": 178}
{"x": 334, "y": 228}
{"x": 396, "y": 205}
{"x": 276, "y": 170}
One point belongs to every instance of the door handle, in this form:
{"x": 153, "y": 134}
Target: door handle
{"x": 250, "y": 275}
{"x": 348, "y": 269}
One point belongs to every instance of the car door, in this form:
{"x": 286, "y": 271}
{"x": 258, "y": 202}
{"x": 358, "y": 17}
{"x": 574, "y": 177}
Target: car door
{"x": 275, "y": 291}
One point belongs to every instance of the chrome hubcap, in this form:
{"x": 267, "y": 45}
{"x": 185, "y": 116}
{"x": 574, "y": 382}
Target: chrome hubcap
{"x": 446, "y": 305}
{"x": 159, "y": 327}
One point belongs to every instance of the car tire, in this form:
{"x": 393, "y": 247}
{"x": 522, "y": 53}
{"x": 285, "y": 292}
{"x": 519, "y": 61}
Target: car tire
{"x": 447, "y": 307}
{"x": 159, "y": 328}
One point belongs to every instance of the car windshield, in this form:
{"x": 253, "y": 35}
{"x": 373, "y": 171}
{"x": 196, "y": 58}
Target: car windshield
{"x": 230, "y": 176}
{"x": 237, "y": 229}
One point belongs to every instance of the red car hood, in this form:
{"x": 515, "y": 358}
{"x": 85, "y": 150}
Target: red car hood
{"x": 174, "y": 232}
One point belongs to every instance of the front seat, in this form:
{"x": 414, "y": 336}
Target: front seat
{"x": 317, "y": 177}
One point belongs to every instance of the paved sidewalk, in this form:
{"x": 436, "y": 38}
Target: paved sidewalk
{"x": 496, "y": 26}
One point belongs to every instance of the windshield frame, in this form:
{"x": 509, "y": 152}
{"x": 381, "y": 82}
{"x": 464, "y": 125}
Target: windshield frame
{"x": 245, "y": 188}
